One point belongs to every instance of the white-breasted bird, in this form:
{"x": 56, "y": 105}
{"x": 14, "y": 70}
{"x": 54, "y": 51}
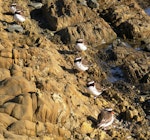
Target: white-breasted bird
{"x": 14, "y": 7}
{"x": 80, "y": 64}
{"x": 18, "y": 16}
{"x": 105, "y": 118}
{"x": 80, "y": 45}
{"x": 95, "y": 89}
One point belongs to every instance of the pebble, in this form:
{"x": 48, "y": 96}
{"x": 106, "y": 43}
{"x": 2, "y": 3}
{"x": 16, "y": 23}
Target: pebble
{"x": 36, "y": 5}
{"x": 15, "y": 27}
{"x": 82, "y": 2}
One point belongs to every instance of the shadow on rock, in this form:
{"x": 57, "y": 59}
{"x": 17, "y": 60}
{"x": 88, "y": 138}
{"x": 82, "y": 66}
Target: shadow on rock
{"x": 37, "y": 15}
{"x": 7, "y": 23}
{"x": 66, "y": 52}
{"x": 8, "y": 13}
{"x": 93, "y": 120}
{"x": 84, "y": 94}
{"x": 71, "y": 71}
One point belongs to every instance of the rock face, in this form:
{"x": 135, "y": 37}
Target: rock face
{"x": 80, "y": 22}
{"x": 43, "y": 97}
{"x": 129, "y": 19}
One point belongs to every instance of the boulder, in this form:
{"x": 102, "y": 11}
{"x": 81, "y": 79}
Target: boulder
{"x": 86, "y": 128}
{"x": 129, "y": 20}
{"x": 19, "y": 107}
{"x": 55, "y": 130}
{"x": 61, "y": 14}
{"x": 4, "y": 73}
{"x": 96, "y": 32}
{"x": 14, "y": 86}
{"x": 6, "y": 119}
{"x": 23, "y": 127}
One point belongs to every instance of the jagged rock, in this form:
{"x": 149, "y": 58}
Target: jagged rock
{"x": 132, "y": 114}
{"x": 135, "y": 68}
{"x": 55, "y": 130}
{"x": 48, "y": 111}
{"x": 9, "y": 135}
{"x": 19, "y": 107}
{"x": 6, "y": 119}
{"x": 15, "y": 27}
{"x": 40, "y": 128}
{"x": 127, "y": 20}
{"x": 36, "y": 5}
{"x": 4, "y": 73}
{"x": 146, "y": 106}
{"x": 146, "y": 47}
{"x": 104, "y": 136}
{"x": 57, "y": 108}
{"x": 86, "y": 128}
{"x": 82, "y": 2}
{"x": 96, "y": 32}
{"x": 16, "y": 70}
{"x": 134, "y": 64}
{"x": 23, "y": 127}
{"x": 14, "y": 86}
{"x": 57, "y": 12}
{"x": 105, "y": 4}
{"x": 93, "y": 3}
{"x": 7, "y": 53}
{"x": 28, "y": 73}
{"x": 6, "y": 62}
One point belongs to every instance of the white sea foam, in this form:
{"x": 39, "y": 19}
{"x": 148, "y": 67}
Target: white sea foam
{"x": 116, "y": 74}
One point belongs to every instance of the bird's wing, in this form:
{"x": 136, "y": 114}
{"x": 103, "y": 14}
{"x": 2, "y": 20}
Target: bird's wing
{"x": 98, "y": 86}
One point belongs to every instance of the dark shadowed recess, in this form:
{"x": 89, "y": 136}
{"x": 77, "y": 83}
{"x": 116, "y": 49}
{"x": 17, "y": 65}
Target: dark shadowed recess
{"x": 124, "y": 29}
{"x": 37, "y": 15}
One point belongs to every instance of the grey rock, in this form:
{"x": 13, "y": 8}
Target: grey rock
{"x": 82, "y": 2}
{"x": 15, "y": 27}
{"x": 36, "y": 5}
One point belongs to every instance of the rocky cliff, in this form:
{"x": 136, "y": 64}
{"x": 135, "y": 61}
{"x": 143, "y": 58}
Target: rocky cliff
{"x": 43, "y": 97}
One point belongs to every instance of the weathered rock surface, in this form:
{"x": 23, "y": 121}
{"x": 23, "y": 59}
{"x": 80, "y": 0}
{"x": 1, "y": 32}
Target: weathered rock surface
{"x": 80, "y": 22}
{"x": 43, "y": 97}
{"x": 128, "y": 18}
{"x": 135, "y": 64}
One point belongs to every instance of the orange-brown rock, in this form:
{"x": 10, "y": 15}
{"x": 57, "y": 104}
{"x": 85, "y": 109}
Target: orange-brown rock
{"x": 42, "y": 96}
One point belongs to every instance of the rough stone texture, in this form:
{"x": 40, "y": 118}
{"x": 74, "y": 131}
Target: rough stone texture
{"x": 97, "y": 32}
{"x": 78, "y": 19}
{"x": 23, "y": 127}
{"x": 129, "y": 19}
{"x": 4, "y": 73}
{"x": 14, "y": 86}
{"x": 6, "y": 119}
{"x": 43, "y": 97}
{"x": 66, "y": 13}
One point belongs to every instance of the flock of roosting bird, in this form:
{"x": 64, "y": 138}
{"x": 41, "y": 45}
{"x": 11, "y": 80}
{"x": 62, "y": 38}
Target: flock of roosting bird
{"x": 106, "y": 117}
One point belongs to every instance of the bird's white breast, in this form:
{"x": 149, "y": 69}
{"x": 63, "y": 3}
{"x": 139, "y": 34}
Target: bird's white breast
{"x": 13, "y": 9}
{"x": 79, "y": 66}
{"x": 108, "y": 123}
{"x": 19, "y": 18}
{"x": 81, "y": 47}
{"x": 94, "y": 91}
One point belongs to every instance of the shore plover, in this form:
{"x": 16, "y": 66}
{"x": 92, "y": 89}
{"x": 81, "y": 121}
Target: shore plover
{"x": 80, "y": 64}
{"x": 18, "y": 16}
{"x": 14, "y": 7}
{"x": 95, "y": 89}
{"x": 105, "y": 118}
{"x": 80, "y": 45}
